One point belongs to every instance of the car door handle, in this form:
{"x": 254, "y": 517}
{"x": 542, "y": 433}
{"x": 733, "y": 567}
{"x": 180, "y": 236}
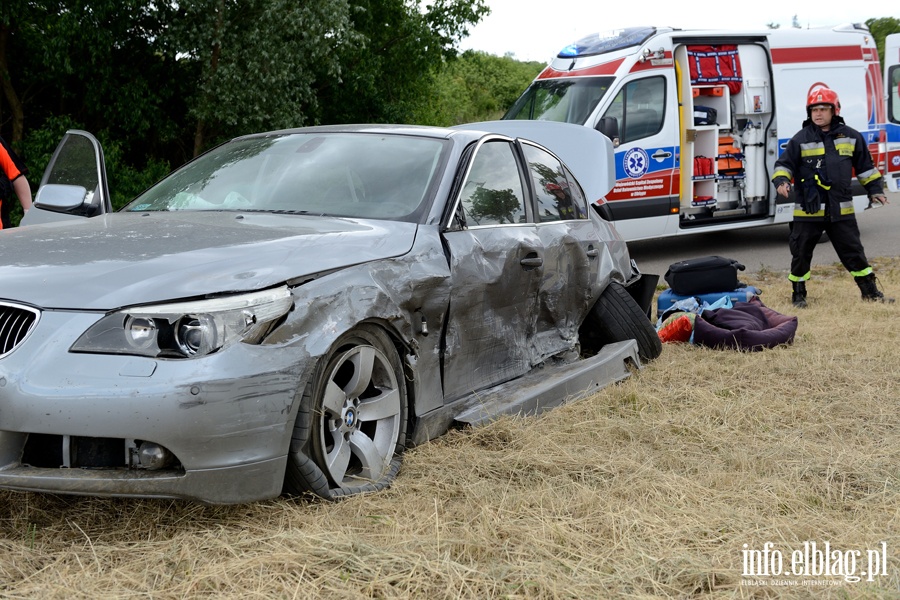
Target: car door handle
{"x": 532, "y": 261}
{"x": 592, "y": 252}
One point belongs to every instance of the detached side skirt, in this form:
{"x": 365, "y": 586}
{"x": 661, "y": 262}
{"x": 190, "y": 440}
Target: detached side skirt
{"x": 543, "y": 388}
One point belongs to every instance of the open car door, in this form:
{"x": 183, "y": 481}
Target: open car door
{"x": 74, "y": 185}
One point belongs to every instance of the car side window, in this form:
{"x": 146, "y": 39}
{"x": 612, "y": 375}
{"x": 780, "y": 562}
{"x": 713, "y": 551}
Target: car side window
{"x": 639, "y": 108}
{"x": 493, "y": 193}
{"x": 557, "y": 193}
{"x": 578, "y": 198}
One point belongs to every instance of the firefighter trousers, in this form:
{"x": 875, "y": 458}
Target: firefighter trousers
{"x": 845, "y": 239}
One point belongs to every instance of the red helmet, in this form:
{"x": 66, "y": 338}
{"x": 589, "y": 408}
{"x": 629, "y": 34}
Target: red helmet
{"x": 822, "y": 94}
{"x": 553, "y": 187}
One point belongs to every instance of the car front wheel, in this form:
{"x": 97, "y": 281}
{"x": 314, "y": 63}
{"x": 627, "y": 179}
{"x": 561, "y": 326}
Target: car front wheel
{"x": 352, "y": 421}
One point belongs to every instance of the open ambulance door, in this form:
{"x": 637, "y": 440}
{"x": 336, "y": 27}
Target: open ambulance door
{"x": 74, "y": 185}
{"x": 892, "y": 127}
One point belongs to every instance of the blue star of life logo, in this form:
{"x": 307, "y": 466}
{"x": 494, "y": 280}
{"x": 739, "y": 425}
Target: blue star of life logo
{"x": 636, "y": 163}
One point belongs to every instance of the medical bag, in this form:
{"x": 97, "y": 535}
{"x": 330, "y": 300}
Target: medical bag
{"x": 701, "y": 275}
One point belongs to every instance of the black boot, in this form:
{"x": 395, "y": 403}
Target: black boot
{"x": 798, "y": 298}
{"x": 868, "y": 285}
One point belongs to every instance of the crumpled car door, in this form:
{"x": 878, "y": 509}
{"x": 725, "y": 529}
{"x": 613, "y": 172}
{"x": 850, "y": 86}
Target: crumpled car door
{"x": 74, "y": 185}
{"x": 496, "y": 266}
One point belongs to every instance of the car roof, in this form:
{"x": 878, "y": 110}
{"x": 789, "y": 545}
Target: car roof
{"x": 588, "y": 153}
{"x": 373, "y": 128}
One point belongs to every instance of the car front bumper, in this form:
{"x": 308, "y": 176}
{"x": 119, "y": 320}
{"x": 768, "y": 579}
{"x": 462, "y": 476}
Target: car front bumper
{"x": 226, "y": 418}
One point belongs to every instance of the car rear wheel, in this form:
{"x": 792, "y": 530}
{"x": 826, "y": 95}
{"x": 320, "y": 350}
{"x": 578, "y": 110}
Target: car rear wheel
{"x": 617, "y": 317}
{"x": 352, "y": 422}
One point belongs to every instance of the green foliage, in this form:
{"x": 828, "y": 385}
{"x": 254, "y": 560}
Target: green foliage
{"x": 881, "y": 28}
{"x": 499, "y": 205}
{"x": 257, "y": 63}
{"x": 390, "y": 74}
{"x": 475, "y": 86}
{"x": 125, "y": 179}
{"x": 40, "y": 143}
{"x": 160, "y": 82}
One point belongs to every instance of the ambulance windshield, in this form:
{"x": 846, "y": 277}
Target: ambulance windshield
{"x": 564, "y": 100}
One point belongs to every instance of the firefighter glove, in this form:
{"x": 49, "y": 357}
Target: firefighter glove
{"x": 810, "y": 200}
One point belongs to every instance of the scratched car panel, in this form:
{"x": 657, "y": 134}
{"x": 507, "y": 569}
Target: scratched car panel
{"x": 288, "y": 312}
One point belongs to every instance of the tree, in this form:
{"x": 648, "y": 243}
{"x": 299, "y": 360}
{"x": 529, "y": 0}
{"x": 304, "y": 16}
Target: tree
{"x": 498, "y": 205}
{"x": 475, "y": 86}
{"x": 8, "y": 89}
{"x": 389, "y": 74}
{"x": 880, "y": 29}
{"x": 257, "y": 63}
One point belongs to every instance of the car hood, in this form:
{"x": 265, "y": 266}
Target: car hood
{"x": 123, "y": 259}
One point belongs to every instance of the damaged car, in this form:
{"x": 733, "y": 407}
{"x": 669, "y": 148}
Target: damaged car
{"x": 290, "y": 311}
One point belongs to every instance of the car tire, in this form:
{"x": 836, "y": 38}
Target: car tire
{"x": 352, "y": 422}
{"x": 617, "y": 317}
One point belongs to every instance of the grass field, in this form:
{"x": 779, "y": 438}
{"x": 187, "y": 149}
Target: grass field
{"x": 663, "y": 486}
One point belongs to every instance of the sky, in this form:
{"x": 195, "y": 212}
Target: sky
{"x": 538, "y": 34}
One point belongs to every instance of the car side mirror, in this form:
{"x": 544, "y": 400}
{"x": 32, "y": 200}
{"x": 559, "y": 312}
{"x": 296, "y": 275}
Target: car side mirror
{"x": 61, "y": 198}
{"x": 609, "y": 126}
{"x": 55, "y": 201}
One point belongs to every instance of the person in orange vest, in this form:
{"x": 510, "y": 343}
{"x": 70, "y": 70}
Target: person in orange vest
{"x": 819, "y": 162}
{"x": 13, "y": 182}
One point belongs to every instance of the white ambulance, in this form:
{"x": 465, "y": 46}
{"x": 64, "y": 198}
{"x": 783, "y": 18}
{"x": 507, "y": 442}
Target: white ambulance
{"x": 699, "y": 117}
{"x": 892, "y": 128}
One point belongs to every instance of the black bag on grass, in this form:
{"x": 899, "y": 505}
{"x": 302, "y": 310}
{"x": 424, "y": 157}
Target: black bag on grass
{"x": 703, "y": 275}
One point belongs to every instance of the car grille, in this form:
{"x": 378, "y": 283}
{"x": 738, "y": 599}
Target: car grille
{"x": 16, "y": 322}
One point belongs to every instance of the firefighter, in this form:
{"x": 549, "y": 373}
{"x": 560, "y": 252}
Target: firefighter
{"x": 565, "y": 207}
{"x": 820, "y": 161}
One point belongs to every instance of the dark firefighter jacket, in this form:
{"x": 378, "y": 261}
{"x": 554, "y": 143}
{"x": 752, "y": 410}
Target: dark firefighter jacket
{"x": 821, "y": 165}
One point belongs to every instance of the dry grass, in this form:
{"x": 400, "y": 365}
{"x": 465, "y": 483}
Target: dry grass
{"x": 650, "y": 489}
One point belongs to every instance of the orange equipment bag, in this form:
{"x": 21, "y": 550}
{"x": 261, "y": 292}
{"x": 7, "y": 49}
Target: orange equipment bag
{"x": 730, "y": 159}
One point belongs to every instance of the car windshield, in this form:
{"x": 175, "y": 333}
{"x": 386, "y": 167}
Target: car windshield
{"x": 365, "y": 175}
{"x": 564, "y": 100}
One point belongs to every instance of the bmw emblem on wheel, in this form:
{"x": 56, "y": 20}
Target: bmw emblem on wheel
{"x": 636, "y": 162}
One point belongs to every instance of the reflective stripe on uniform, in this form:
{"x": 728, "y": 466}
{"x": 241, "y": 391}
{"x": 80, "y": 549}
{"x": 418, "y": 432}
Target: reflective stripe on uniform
{"x": 799, "y": 212}
{"x": 801, "y": 278}
{"x": 868, "y": 176}
{"x": 812, "y": 149}
{"x": 845, "y": 146}
{"x": 863, "y": 273}
{"x": 846, "y": 209}
{"x": 783, "y": 172}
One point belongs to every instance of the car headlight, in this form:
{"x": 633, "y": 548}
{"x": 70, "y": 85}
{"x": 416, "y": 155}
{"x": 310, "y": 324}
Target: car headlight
{"x": 186, "y": 329}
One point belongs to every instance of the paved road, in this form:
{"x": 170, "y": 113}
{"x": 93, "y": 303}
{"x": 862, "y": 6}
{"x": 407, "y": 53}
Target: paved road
{"x": 767, "y": 246}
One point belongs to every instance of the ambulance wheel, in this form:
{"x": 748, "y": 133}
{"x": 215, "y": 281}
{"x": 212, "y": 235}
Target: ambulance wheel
{"x": 617, "y": 317}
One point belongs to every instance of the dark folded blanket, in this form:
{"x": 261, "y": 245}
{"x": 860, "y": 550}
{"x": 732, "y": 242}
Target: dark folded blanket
{"x": 746, "y": 326}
